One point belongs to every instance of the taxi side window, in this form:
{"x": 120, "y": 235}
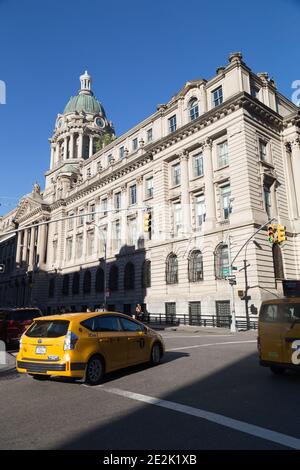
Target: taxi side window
{"x": 270, "y": 313}
{"x": 129, "y": 325}
{"x": 108, "y": 323}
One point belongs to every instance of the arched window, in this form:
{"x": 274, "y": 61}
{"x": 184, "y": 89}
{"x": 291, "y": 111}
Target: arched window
{"x": 51, "y": 287}
{"x": 129, "y": 275}
{"x": 99, "y": 284}
{"x": 195, "y": 266}
{"x": 277, "y": 261}
{"x": 172, "y": 269}
{"x": 114, "y": 278}
{"x": 65, "y": 284}
{"x": 76, "y": 283}
{"x": 193, "y": 108}
{"x": 87, "y": 282}
{"x": 146, "y": 273}
{"x": 221, "y": 261}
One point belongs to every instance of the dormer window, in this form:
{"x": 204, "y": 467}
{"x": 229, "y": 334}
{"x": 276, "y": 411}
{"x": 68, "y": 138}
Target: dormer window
{"x": 217, "y": 96}
{"x": 193, "y": 108}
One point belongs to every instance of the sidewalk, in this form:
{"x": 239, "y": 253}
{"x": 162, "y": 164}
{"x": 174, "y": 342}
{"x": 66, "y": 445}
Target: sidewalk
{"x": 192, "y": 329}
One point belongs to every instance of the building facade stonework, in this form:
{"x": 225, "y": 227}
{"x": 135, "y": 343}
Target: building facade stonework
{"x": 217, "y": 161}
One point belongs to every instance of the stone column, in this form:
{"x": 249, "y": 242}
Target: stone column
{"x": 295, "y": 147}
{"x": 80, "y": 145}
{"x": 19, "y": 248}
{"x": 31, "y": 249}
{"x": 41, "y": 245}
{"x": 109, "y": 223}
{"x": 185, "y": 194}
{"x": 210, "y": 204}
{"x": 91, "y": 145}
{"x": 124, "y": 227}
{"x": 71, "y": 145}
{"x": 139, "y": 199}
{"x": 66, "y": 147}
{"x": 52, "y": 161}
{"x": 25, "y": 242}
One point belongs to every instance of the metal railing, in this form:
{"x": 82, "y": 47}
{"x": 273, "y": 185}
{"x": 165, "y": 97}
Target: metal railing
{"x": 217, "y": 321}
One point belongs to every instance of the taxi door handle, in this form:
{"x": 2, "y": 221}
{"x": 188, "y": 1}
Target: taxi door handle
{"x": 103, "y": 340}
{"x": 131, "y": 339}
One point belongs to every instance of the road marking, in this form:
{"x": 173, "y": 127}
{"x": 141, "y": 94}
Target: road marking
{"x": 210, "y": 344}
{"x": 196, "y": 336}
{"x": 242, "y": 426}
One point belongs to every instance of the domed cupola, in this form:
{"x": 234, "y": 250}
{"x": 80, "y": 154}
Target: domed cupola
{"x": 82, "y": 129}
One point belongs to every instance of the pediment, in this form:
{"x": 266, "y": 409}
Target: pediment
{"x": 188, "y": 86}
{"x": 28, "y": 205}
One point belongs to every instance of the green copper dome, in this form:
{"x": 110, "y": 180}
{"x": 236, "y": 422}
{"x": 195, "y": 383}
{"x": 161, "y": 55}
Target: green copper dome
{"x": 86, "y": 103}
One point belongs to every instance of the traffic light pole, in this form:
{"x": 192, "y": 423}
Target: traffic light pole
{"x": 246, "y": 294}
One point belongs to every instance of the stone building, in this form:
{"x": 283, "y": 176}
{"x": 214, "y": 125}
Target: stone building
{"x": 211, "y": 166}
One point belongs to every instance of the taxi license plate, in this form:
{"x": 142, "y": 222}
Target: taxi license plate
{"x": 40, "y": 350}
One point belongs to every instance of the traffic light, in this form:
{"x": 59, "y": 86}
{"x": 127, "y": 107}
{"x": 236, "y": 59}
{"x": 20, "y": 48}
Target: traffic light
{"x": 2, "y": 268}
{"x": 281, "y": 237}
{"x": 147, "y": 222}
{"x": 271, "y": 233}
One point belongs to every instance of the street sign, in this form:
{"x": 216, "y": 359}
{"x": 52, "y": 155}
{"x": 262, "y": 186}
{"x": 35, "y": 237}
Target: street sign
{"x": 232, "y": 282}
{"x": 231, "y": 276}
{"x": 2, "y": 268}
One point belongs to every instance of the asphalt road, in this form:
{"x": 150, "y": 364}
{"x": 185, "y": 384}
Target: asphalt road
{"x": 208, "y": 393}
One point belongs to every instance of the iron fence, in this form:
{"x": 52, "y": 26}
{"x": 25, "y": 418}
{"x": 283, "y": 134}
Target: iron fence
{"x": 223, "y": 321}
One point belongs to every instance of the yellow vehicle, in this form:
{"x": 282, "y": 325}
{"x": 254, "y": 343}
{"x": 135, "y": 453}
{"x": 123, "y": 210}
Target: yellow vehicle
{"x": 279, "y": 334}
{"x": 86, "y": 345}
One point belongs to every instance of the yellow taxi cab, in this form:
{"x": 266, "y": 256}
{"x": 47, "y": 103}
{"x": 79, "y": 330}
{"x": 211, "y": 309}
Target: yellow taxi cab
{"x": 279, "y": 334}
{"x": 86, "y": 345}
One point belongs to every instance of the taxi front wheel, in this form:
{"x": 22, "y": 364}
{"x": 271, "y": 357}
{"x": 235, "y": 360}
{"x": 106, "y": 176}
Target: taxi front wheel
{"x": 155, "y": 354}
{"x": 94, "y": 370}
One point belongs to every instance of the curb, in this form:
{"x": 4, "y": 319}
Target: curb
{"x": 10, "y": 367}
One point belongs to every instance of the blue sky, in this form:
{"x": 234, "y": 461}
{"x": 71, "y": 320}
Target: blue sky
{"x": 138, "y": 52}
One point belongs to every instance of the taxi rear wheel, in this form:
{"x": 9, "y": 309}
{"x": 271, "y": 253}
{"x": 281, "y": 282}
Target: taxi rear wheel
{"x": 155, "y": 354}
{"x": 94, "y": 370}
{"x": 277, "y": 370}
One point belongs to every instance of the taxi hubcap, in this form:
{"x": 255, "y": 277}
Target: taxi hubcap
{"x": 95, "y": 370}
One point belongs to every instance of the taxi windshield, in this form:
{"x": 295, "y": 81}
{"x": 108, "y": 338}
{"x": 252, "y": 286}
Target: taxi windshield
{"x": 281, "y": 313}
{"x": 48, "y": 329}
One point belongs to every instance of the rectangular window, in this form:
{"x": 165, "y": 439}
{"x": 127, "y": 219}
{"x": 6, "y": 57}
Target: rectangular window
{"x": 132, "y": 194}
{"x": 132, "y": 232}
{"x": 222, "y": 151}
{"x": 121, "y": 152}
{"x": 198, "y": 164}
{"x": 118, "y": 200}
{"x": 92, "y": 211}
{"x": 200, "y": 210}
{"x": 109, "y": 159}
{"x": 170, "y": 309}
{"x": 172, "y": 124}
{"x": 225, "y": 201}
{"x": 176, "y": 174}
{"x": 263, "y": 150}
{"x": 149, "y": 135}
{"x": 99, "y": 167}
{"x": 69, "y": 248}
{"x": 102, "y": 238}
{"x": 79, "y": 246}
{"x": 81, "y": 217}
{"x": 134, "y": 144}
{"x": 177, "y": 218}
{"x": 88, "y": 172}
{"x": 90, "y": 243}
{"x": 267, "y": 200}
{"x": 104, "y": 206}
{"x": 116, "y": 235}
{"x": 149, "y": 187}
{"x": 217, "y": 96}
{"x": 70, "y": 221}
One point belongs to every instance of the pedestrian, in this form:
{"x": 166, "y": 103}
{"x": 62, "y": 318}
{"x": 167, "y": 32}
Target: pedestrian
{"x": 139, "y": 312}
